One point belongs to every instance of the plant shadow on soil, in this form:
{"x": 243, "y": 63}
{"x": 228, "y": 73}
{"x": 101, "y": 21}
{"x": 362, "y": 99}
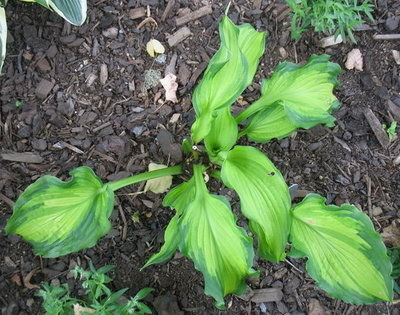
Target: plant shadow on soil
{"x": 119, "y": 131}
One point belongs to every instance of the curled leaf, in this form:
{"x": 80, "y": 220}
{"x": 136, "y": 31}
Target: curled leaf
{"x": 170, "y": 86}
{"x": 158, "y": 185}
{"x": 154, "y": 47}
{"x": 354, "y": 60}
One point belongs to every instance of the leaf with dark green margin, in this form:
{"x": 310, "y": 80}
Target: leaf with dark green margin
{"x": 264, "y": 198}
{"x": 223, "y": 134}
{"x": 3, "y": 36}
{"x": 346, "y": 257}
{"x": 229, "y": 72}
{"x": 220, "y": 249}
{"x": 302, "y": 93}
{"x": 74, "y": 11}
{"x": 59, "y": 217}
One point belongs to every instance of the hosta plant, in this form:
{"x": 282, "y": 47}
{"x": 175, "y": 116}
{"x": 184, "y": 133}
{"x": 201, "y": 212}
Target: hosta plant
{"x": 74, "y": 11}
{"x": 345, "y": 255}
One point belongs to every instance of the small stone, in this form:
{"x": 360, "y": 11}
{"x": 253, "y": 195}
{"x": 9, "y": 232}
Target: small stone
{"x": 52, "y": 51}
{"x": 392, "y": 23}
{"x": 138, "y": 130}
{"x": 24, "y": 132}
{"x": 111, "y": 32}
{"x": 44, "y": 88}
{"x": 347, "y": 135}
{"x": 39, "y": 144}
{"x": 376, "y": 211}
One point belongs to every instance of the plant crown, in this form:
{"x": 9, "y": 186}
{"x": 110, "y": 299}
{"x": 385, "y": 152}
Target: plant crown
{"x": 345, "y": 256}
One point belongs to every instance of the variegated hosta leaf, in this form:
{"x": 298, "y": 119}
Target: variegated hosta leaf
{"x": 220, "y": 249}
{"x": 229, "y": 72}
{"x": 3, "y": 36}
{"x": 59, "y": 217}
{"x": 346, "y": 256}
{"x": 179, "y": 197}
{"x": 223, "y": 134}
{"x": 304, "y": 92}
{"x": 74, "y": 11}
{"x": 264, "y": 198}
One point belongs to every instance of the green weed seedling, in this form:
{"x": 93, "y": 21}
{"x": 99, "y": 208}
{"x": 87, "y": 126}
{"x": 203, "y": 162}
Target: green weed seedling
{"x": 98, "y": 299}
{"x": 345, "y": 256}
{"x": 334, "y": 17}
{"x": 391, "y": 130}
{"x": 73, "y": 11}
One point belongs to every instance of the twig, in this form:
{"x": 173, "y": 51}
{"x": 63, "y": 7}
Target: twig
{"x": 125, "y": 228}
{"x": 368, "y": 180}
{"x": 386, "y": 36}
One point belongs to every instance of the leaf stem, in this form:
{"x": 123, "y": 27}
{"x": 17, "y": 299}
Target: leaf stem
{"x": 173, "y": 170}
{"x": 260, "y": 104}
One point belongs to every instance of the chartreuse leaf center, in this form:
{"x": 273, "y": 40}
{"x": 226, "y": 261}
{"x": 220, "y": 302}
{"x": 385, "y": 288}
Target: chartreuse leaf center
{"x": 345, "y": 255}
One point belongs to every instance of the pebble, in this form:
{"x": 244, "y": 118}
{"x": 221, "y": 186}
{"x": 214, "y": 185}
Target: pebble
{"x": 138, "y": 130}
{"x": 342, "y": 180}
{"x": 111, "y": 32}
{"x": 39, "y": 144}
{"x": 347, "y": 135}
{"x": 376, "y": 211}
{"x": 24, "y": 132}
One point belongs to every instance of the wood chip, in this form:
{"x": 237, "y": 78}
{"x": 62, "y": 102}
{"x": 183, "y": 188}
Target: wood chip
{"x": 396, "y": 56}
{"x": 167, "y": 10}
{"x": 137, "y": 13}
{"x": 24, "y": 157}
{"x": 179, "y": 36}
{"x": 394, "y": 109}
{"x": 315, "y": 308}
{"x": 103, "y": 74}
{"x": 386, "y": 36}
{"x": 7, "y": 200}
{"x": 44, "y": 88}
{"x": 377, "y": 128}
{"x": 145, "y": 21}
{"x": 27, "y": 280}
{"x": 175, "y": 117}
{"x": 267, "y": 295}
{"x": 342, "y": 143}
{"x": 193, "y": 15}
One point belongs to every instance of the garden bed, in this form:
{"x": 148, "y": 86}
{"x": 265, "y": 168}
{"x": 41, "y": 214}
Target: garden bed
{"x": 73, "y": 96}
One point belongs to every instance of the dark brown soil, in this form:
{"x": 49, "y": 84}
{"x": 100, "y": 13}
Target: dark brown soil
{"x": 115, "y": 129}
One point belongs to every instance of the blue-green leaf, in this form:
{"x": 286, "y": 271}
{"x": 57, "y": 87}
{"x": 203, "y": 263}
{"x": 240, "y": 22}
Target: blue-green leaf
{"x": 346, "y": 257}
{"x": 59, "y": 217}
{"x": 74, "y": 11}
{"x": 264, "y": 198}
{"x": 302, "y": 93}
{"x": 229, "y": 72}
{"x": 220, "y": 249}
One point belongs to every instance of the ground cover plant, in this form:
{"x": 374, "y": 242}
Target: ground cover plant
{"x": 99, "y": 299}
{"x": 346, "y": 257}
{"x": 74, "y": 11}
{"x": 334, "y": 17}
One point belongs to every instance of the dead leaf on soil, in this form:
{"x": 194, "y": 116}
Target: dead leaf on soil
{"x": 315, "y": 308}
{"x": 158, "y": 185}
{"x": 79, "y": 310}
{"x": 170, "y": 86}
{"x": 391, "y": 234}
{"x": 354, "y": 60}
{"x": 154, "y": 47}
{"x": 16, "y": 279}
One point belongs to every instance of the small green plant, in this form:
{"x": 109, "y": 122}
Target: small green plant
{"x": 391, "y": 131}
{"x": 335, "y": 17}
{"x": 345, "y": 255}
{"x": 74, "y": 11}
{"x": 98, "y": 297}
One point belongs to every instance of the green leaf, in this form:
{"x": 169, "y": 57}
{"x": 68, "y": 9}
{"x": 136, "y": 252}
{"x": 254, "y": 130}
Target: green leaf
{"x": 59, "y": 217}
{"x": 229, "y": 72}
{"x": 3, "y": 36}
{"x": 223, "y": 134}
{"x": 264, "y": 198}
{"x": 179, "y": 197}
{"x": 346, "y": 257}
{"x": 74, "y": 11}
{"x": 44, "y": 3}
{"x": 303, "y": 92}
{"x": 171, "y": 243}
{"x": 220, "y": 249}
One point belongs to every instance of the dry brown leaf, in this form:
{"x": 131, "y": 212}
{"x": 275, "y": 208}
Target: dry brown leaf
{"x": 158, "y": 185}
{"x": 354, "y": 60}
{"x": 78, "y": 310}
{"x": 315, "y": 308}
{"x": 16, "y": 279}
{"x": 391, "y": 234}
{"x": 170, "y": 86}
{"x": 154, "y": 47}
